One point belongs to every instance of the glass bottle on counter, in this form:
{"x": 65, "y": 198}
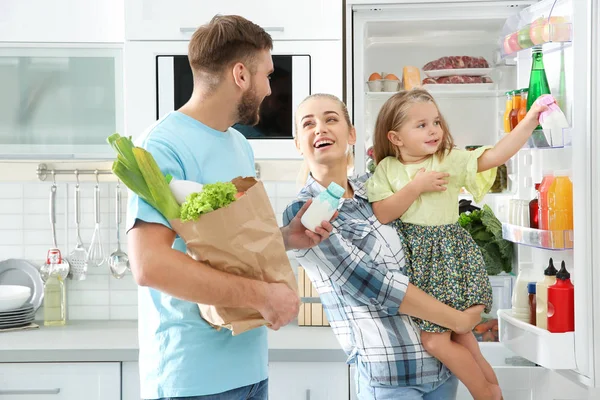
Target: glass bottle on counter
{"x": 516, "y": 102}
{"x": 55, "y": 294}
{"x": 522, "y": 105}
{"x": 507, "y": 110}
{"x": 538, "y": 82}
{"x": 534, "y": 209}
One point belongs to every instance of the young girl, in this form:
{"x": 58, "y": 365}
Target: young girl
{"x": 417, "y": 180}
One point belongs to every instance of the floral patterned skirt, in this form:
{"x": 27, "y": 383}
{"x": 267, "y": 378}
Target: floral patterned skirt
{"x": 445, "y": 262}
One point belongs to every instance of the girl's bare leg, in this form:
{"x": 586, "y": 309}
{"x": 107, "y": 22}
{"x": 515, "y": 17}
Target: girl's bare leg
{"x": 469, "y": 341}
{"x": 459, "y": 360}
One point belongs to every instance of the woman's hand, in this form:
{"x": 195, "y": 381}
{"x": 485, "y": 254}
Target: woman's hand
{"x": 469, "y": 319}
{"x": 532, "y": 117}
{"x": 296, "y": 236}
{"x": 430, "y": 181}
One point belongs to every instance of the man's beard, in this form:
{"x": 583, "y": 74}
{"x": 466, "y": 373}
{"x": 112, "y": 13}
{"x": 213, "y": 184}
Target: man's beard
{"x": 248, "y": 108}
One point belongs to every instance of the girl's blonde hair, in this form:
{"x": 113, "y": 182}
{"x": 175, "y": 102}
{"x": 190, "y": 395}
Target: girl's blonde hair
{"x": 393, "y": 116}
{"x": 304, "y": 170}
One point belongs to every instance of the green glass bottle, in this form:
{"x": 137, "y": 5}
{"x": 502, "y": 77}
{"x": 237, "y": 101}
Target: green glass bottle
{"x": 538, "y": 85}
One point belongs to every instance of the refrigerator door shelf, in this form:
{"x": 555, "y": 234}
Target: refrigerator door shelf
{"x": 547, "y": 240}
{"x": 550, "y": 350}
{"x": 555, "y": 36}
{"x": 549, "y": 139}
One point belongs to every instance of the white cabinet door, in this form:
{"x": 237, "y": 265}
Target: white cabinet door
{"x": 308, "y": 381}
{"x": 58, "y": 381}
{"x": 68, "y": 21}
{"x": 282, "y": 19}
{"x": 130, "y": 381}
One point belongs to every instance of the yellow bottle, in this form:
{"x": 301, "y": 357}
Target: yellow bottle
{"x": 541, "y": 296}
{"x": 55, "y": 300}
{"x": 508, "y": 109}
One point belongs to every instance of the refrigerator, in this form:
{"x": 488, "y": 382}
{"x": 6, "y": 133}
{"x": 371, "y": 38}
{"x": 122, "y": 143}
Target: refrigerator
{"x": 384, "y": 36}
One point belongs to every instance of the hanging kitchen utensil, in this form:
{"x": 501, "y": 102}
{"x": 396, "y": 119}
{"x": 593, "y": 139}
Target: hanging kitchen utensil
{"x": 77, "y": 257}
{"x": 54, "y": 258}
{"x": 118, "y": 260}
{"x": 95, "y": 255}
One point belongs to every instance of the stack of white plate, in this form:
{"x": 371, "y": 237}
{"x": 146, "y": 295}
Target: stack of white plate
{"x": 19, "y": 317}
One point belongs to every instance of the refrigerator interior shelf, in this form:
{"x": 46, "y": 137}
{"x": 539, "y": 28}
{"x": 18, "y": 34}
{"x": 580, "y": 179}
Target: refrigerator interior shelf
{"x": 548, "y": 240}
{"x": 550, "y": 350}
{"x": 549, "y": 139}
{"x": 456, "y": 91}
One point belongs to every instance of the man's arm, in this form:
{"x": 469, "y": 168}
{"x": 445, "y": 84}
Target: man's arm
{"x": 155, "y": 264}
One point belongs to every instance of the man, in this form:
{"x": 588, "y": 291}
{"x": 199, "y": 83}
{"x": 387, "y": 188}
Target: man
{"x": 180, "y": 354}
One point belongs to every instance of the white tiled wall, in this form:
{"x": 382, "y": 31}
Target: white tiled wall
{"x": 25, "y": 232}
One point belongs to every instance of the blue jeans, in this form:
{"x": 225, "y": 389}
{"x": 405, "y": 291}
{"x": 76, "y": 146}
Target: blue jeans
{"x": 258, "y": 391}
{"x": 441, "y": 390}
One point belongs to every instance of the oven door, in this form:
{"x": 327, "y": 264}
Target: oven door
{"x": 272, "y": 136}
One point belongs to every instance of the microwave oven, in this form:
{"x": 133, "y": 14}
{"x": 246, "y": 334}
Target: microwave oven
{"x": 158, "y": 80}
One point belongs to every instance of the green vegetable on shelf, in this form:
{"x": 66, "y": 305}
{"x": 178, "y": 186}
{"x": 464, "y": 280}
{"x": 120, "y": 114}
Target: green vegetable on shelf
{"x": 486, "y": 231}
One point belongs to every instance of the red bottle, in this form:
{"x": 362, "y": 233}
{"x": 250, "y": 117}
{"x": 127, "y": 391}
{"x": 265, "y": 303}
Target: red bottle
{"x": 561, "y": 303}
{"x": 534, "y": 208}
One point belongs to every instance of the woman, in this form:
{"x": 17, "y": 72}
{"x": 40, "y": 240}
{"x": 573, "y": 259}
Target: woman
{"x": 358, "y": 272}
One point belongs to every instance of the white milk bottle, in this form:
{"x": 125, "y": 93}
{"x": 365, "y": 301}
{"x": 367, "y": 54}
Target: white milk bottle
{"x": 323, "y": 207}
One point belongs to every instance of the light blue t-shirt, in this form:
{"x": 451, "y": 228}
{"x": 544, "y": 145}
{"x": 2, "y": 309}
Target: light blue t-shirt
{"x": 180, "y": 354}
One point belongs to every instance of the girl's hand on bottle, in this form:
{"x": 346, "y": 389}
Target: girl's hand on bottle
{"x": 533, "y": 115}
{"x": 430, "y": 181}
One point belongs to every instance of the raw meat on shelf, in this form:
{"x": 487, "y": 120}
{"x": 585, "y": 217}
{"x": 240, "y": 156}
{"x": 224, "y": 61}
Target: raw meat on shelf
{"x": 456, "y": 62}
{"x": 457, "y": 79}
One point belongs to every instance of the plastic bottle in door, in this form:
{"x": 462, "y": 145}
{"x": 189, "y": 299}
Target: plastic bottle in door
{"x": 507, "y": 110}
{"x": 516, "y": 102}
{"x": 561, "y": 303}
{"x": 560, "y": 206}
{"x": 541, "y": 296}
{"x": 534, "y": 208}
{"x": 522, "y": 105}
{"x": 543, "y": 200}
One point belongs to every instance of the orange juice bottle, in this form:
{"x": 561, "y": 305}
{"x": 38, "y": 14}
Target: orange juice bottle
{"x": 516, "y": 103}
{"x": 560, "y": 208}
{"x": 543, "y": 200}
{"x": 560, "y": 203}
{"x": 523, "y": 105}
{"x": 507, "y": 110}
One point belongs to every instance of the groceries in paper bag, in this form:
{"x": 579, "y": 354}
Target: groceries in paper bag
{"x": 229, "y": 226}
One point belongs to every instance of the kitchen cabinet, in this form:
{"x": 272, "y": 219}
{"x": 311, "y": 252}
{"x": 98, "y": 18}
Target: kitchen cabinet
{"x": 283, "y": 20}
{"x": 62, "y": 21}
{"x": 130, "y": 381}
{"x": 59, "y": 102}
{"x": 308, "y": 381}
{"x": 60, "y": 381}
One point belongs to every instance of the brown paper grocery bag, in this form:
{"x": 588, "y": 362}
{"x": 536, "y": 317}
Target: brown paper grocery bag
{"x": 241, "y": 239}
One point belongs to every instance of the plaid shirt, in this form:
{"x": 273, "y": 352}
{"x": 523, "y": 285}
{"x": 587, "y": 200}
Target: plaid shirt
{"x": 359, "y": 274}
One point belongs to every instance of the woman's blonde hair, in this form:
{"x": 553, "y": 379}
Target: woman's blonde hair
{"x": 304, "y": 170}
{"x": 393, "y": 116}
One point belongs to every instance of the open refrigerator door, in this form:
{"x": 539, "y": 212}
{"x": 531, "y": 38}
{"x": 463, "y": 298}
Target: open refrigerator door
{"x": 396, "y": 45}
{"x": 564, "y": 32}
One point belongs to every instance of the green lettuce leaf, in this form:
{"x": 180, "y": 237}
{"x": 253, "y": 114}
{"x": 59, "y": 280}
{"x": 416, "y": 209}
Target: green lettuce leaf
{"x": 212, "y": 197}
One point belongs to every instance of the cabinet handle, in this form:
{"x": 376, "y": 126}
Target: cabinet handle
{"x": 273, "y": 28}
{"x": 30, "y": 391}
{"x": 187, "y": 30}
{"x": 307, "y": 394}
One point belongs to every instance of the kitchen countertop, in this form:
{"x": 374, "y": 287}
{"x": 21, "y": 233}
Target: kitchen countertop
{"x": 87, "y": 341}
